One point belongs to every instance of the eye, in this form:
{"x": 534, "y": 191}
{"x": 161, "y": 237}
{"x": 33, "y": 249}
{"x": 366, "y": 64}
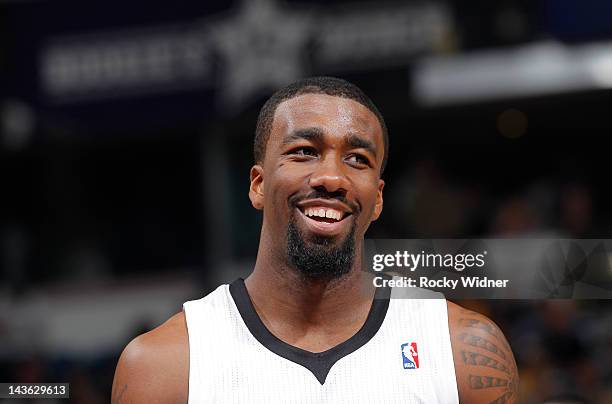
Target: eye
{"x": 304, "y": 151}
{"x": 358, "y": 159}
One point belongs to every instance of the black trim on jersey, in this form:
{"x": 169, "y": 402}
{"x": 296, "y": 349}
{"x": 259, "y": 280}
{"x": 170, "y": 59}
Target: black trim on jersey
{"x": 318, "y": 363}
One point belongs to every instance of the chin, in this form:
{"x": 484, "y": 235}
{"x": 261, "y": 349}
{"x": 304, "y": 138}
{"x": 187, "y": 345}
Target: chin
{"x": 320, "y": 257}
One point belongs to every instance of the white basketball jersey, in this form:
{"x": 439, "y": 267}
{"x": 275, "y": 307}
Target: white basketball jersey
{"x": 402, "y": 354}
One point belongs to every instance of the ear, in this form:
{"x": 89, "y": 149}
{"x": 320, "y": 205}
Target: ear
{"x": 256, "y": 190}
{"x": 379, "y": 200}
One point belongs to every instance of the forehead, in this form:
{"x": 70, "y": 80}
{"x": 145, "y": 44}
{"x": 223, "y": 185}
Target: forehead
{"x": 334, "y": 115}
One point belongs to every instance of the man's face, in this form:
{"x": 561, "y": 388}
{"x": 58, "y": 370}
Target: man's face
{"x": 320, "y": 182}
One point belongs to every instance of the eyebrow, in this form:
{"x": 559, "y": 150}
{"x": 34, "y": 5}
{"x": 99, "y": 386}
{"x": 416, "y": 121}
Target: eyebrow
{"x": 317, "y": 135}
{"x": 312, "y": 134}
{"x": 361, "y": 143}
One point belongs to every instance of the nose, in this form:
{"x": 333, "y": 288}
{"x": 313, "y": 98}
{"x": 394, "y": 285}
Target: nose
{"x": 329, "y": 176}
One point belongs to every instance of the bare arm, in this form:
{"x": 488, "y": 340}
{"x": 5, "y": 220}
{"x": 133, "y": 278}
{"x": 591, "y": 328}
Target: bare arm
{"x": 154, "y": 367}
{"x": 484, "y": 364}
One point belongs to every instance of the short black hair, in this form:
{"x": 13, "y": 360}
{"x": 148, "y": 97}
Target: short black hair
{"x": 312, "y": 85}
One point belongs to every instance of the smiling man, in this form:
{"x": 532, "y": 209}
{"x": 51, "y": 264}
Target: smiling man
{"x": 302, "y": 328}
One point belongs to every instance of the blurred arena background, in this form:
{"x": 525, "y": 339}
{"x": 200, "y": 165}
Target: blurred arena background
{"x": 126, "y": 139}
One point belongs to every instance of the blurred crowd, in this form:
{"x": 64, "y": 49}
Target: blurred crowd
{"x": 126, "y": 137}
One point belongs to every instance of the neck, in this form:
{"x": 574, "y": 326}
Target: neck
{"x": 294, "y": 307}
{"x": 286, "y": 289}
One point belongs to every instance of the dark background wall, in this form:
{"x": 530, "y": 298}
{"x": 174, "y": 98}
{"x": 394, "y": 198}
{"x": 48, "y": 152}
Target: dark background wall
{"x": 126, "y": 139}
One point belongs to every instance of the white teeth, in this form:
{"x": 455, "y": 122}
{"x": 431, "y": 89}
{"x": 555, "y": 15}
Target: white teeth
{"x": 321, "y": 212}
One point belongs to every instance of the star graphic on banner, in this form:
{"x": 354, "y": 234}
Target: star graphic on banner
{"x": 262, "y": 48}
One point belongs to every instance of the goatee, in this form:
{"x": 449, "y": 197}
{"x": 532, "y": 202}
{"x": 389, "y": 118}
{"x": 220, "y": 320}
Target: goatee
{"x": 319, "y": 258}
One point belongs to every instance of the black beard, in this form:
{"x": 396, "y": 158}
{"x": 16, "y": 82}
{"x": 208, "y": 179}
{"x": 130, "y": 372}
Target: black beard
{"x": 319, "y": 259}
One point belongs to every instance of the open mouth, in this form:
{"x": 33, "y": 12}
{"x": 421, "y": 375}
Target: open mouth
{"x": 324, "y": 214}
{"x": 324, "y": 217}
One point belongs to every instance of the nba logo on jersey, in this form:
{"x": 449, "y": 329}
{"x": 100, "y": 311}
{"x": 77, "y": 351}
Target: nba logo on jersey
{"x": 410, "y": 355}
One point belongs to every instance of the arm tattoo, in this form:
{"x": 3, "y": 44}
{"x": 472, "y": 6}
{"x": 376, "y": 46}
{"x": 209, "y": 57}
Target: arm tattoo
{"x": 503, "y": 399}
{"x": 510, "y": 395}
{"x": 476, "y": 359}
{"x": 479, "y": 342}
{"x": 488, "y": 328}
{"x": 493, "y": 343}
{"x": 118, "y": 396}
{"x": 485, "y": 382}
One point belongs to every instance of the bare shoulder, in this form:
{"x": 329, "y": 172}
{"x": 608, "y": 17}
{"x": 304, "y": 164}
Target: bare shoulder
{"x": 484, "y": 362}
{"x": 154, "y": 367}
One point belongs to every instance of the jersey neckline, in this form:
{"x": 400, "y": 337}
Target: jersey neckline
{"x": 318, "y": 363}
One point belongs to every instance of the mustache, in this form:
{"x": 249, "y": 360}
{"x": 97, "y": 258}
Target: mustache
{"x": 317, "y": 194}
